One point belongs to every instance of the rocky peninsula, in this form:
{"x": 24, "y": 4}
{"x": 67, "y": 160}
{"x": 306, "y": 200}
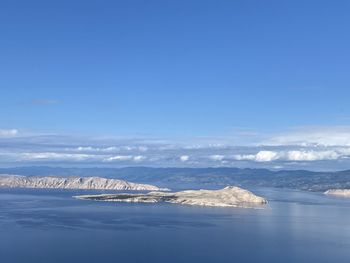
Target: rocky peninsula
{"x": 227, "y": 197}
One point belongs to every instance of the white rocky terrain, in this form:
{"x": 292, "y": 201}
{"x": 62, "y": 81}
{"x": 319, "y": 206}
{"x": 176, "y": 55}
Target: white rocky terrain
{"x": 339, "y": 192}
{"x": 98, "y": 183}
{"x": 227, "y": 197}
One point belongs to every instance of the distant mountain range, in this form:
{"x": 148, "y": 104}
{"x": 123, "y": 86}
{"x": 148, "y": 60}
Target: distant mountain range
{"x": 72, "y": 182}
{"x": 180, "y": 178}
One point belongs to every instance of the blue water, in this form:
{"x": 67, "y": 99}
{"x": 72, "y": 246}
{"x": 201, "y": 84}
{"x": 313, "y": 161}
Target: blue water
{"x": 49, "y": 226}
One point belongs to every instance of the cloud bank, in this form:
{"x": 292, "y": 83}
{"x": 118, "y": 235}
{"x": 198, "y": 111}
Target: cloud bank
{"x": 295, "y": 155}
{"x": 303, "y": 149}
{"x": 308, "y": 136}
{"x": 8, "y": 132}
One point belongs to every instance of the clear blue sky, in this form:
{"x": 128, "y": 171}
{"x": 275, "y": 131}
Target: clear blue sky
{"x": 173, "y": 68}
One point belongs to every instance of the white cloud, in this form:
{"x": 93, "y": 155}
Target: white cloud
{"x": 244, "y": 157}
{"x": 143, "y": 148}
{"x": 266, "y": 156}
{"x": 119, "y": 158}
{"x": 184, "y": 158}
{"x": 96, "y": 149}
{"x": 55, "y": 156}
{"x": 8, "y": 132}
{"x": 299, "y": 155}
{"x": 312, "y": 155}
{"x": 139, "y": 158}
{"x": 110, "y": 149}
{"x": 344, "y": 151}
{"x": 295, "y": 155}
{"x": 318, "y": 135}
{"x": 309, "y": 148}
{"x": 261, "y": 156}
{"x": 277, "y": 167}
{"x": 85, "y": 149}
{"x": 133, "y": 148}
{"x": 217, "y": 157}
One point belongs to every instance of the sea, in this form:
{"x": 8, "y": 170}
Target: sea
{"x": 50, "y": 226}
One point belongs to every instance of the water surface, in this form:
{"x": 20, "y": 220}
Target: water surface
{"x": 49, "y": 226}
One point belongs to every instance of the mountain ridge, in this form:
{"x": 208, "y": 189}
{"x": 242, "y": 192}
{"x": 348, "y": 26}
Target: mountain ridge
{"x": 72, "y": 182}
{"x": 210, "y": 177}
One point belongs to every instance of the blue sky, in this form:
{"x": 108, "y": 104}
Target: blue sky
{"x": 237, "y": 73}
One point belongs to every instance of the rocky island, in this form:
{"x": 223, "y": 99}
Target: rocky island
{"x": 229, "y": 196}
{"x": 91, "y": 183}
{"x": 339, "y": 192}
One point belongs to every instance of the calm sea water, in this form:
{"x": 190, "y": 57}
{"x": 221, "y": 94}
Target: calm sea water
{"x": 49, "y": 226}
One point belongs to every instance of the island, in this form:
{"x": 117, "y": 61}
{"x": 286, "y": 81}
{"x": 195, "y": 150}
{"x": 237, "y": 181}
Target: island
{"x": 90, "y": 183}
{"x": 229, "y": 196}
{"x": 339, "y": 192}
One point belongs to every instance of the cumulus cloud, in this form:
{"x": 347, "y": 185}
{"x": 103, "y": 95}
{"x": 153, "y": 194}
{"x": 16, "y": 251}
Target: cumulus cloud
{"x": 295, "y": 155}
{"x": 261, "y": 156}
{"x": 8, "y": 132}
{"x": 266, "y": 156}
{"x": 312, "y": 155}
{"x": 244, "y": 157}
{"x": 184, "y": 158}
